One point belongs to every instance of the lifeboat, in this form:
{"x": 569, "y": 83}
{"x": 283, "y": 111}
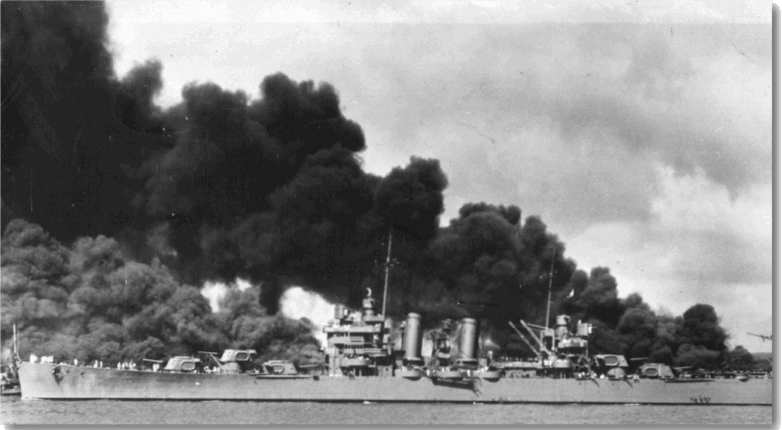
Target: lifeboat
{"x": 562, "y": 363}
{"x": 489, "y": 375}
{"x": 449, "y": 374}
{"x": 354, "y": 363}
{"x": 412, "y": 374}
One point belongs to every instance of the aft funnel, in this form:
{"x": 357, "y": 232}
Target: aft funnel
{"x": 468, "y": 344}
{"x": 413, "y": 339}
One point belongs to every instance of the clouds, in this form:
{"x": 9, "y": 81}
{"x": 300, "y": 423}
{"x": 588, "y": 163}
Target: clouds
{"x": 717, "y": 239}
{"x": 699, "y": 246}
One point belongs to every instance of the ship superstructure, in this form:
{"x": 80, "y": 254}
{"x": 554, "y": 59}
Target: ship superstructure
{"x": 358, "y": 342}
{"x": 563, "y": 353}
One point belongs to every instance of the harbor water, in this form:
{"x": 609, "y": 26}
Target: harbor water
{"x": 106, "y": 412}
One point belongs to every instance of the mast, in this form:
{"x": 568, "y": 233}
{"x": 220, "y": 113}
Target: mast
{"x": 550, "y": 280}
{"x": 16, "y": 345}
{"x": 388, "y": 265}
{"x": 15, "y": 358}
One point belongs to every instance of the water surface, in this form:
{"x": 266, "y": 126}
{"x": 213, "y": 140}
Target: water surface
{"x": 106, "y": 412}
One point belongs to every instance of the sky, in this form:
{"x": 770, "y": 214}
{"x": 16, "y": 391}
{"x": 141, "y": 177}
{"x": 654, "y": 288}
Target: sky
{"x": 639, "y": 132}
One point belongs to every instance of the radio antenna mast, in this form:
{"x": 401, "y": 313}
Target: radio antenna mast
{"x": 550, "y": 280}
{"x": 388, "y": 265}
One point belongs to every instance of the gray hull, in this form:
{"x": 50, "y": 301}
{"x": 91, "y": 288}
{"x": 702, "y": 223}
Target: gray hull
{"x": 38, "y": 381}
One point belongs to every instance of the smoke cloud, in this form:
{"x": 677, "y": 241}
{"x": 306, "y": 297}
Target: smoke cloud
{"x": 89, "y": 302}
{"x": 114, "y": 211}
{"x": 628, "y": 326}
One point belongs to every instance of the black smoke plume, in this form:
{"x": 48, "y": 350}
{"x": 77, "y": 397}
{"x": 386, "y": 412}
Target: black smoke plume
{"x": 115, "y": 210}
{"x": 628, "y": 326}
{"x": 89, "y": 302}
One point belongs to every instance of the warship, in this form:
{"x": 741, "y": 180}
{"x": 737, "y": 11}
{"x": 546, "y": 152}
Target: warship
{"x": 362, "y": 365}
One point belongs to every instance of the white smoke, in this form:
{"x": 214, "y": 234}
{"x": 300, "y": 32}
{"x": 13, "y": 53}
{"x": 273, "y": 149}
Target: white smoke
{"x": 297, "y": 303}
{"x": 214, "y": 291}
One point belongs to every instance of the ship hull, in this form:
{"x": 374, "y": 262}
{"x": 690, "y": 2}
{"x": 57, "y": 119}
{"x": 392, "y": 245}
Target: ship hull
{"x": 38, "y": 381}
